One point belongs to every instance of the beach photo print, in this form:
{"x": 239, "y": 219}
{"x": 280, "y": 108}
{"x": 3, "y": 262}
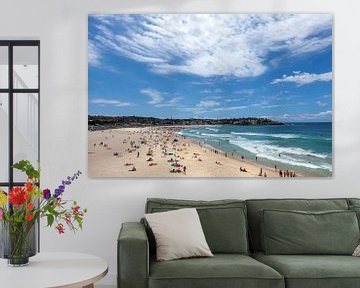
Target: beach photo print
{"x": 210, "y": 95}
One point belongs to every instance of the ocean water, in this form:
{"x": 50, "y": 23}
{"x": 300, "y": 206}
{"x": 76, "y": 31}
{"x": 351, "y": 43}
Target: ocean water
{"x": 303, "y": 147}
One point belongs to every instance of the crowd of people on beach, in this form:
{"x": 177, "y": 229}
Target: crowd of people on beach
{"x": 173, "y": 150}
{"x": 287, "y": 173}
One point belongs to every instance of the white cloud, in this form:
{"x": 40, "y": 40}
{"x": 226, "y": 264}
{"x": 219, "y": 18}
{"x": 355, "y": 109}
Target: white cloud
{"x": 204, "y": 106}
{"x": 215, "y": 106}
{"x": 158, "y": 98}
{"x": 315, "y": 116}
{"x": 214, "y": 97}
{"x": 169, "y": 103}
{"x": 230, "y": 100}
{"x": 314, "y": 44}
{"x": 207, "y": 104}
{"x": 264, "y": 106}
{"x": 230, "y": 108}
{"x": 212, "y": 45}
{"x": 107, "y": 102}
{"x": 326, "y": 96}
{"x": 94, "y": 54}
{"x": 154, "y": 95}
{"x": 321, "y": 116}
{"x": 321, "y": 104}
{"x": 195, "y": 110}
{"x": 211, "y": 91}
{"x": 245, "y": 91}
{"x": 302, "y": 78}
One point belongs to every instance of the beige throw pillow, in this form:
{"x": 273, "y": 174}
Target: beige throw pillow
{"x": 357, "y": 251}
{"x": 178, "y": 234}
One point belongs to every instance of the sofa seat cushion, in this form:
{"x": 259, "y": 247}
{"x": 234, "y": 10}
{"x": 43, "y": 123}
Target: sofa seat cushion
{"x": 222, "y": 270}
{"x": 313, "y": 271}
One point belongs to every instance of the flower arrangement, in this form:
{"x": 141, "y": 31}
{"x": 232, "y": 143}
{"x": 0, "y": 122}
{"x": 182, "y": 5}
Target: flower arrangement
{"x": 22, "y": 206}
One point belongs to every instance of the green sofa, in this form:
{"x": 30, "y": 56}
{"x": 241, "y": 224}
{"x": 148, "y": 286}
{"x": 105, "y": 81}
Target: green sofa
{"x": 233, "y": 230}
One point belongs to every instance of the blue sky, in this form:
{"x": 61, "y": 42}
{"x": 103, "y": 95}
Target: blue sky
{"x": 277, "y": 66}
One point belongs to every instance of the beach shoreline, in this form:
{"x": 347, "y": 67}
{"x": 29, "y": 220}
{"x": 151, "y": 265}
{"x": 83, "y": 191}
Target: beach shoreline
{"x": 159, "y": 151}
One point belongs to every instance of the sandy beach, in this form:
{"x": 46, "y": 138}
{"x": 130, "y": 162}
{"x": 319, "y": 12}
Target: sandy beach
{"x": 160, "y": 152}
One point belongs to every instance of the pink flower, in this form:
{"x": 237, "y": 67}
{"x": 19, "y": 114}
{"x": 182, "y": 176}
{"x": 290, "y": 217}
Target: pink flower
{"x": 1, "y": 213}
{"x": 60, "y": 228}
{"x": 76, "y": 210}
{"x": 68, "y": 219}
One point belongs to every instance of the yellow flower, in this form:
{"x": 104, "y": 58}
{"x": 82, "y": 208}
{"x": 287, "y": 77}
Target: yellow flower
{"x": 3, "y": 198}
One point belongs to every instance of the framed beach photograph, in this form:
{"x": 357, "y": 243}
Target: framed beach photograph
{"x": 210, "y": 95}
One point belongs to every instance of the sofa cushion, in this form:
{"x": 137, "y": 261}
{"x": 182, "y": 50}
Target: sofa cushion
{"x": 297, "y": 232}
{"x": 354, "y": 205}
{"x": 223, "y": 221}
{"x": 255, "y": 206}
{"x": 353, "y": 201}
{"x": 222, "y": 270}
{"x": 313, "y": 271}
{"x": 178, "y": 234}
{"x": 356, "y": 209}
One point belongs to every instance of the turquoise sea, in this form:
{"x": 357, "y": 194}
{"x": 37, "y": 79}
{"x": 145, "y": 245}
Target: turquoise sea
{"x": 305, "y": 147}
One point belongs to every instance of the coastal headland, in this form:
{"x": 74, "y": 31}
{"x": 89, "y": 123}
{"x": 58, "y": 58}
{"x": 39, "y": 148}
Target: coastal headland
{"x": 113, "y": 122}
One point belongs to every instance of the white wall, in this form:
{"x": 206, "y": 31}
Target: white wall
{"x": 62, "y": 28}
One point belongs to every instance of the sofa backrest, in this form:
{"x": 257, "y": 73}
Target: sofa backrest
{"x": 353, "y": 202}
{"x": 223, "y": 221}
{"x": 256, "y": 205}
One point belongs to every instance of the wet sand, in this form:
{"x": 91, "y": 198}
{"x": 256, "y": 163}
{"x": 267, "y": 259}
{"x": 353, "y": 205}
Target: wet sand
{"x": 160, "y": 152}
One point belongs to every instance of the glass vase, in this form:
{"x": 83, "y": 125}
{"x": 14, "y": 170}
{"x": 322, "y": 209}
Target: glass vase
{"x": 18, "y": 242}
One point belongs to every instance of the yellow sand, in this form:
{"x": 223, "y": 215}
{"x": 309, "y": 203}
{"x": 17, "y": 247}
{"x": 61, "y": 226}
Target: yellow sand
{"x": 112, "y": 153}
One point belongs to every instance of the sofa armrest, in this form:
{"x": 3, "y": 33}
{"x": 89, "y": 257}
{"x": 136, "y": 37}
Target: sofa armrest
{"x": 133, "y": 256}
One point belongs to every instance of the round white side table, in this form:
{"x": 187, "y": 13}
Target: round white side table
{"x": 50, "y": 270}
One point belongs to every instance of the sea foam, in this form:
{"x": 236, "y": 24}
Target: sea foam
{"x": 284, "y": 136}
{"x": 273, "y": 144}
{"x": 264, "y": 149}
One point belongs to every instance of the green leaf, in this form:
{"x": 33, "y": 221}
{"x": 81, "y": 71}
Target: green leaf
{"x": 53, "y": 211}
{"x": 26, "y": 167}
{"x": 50, "y": 219}
{"x": 79, "y": 221}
